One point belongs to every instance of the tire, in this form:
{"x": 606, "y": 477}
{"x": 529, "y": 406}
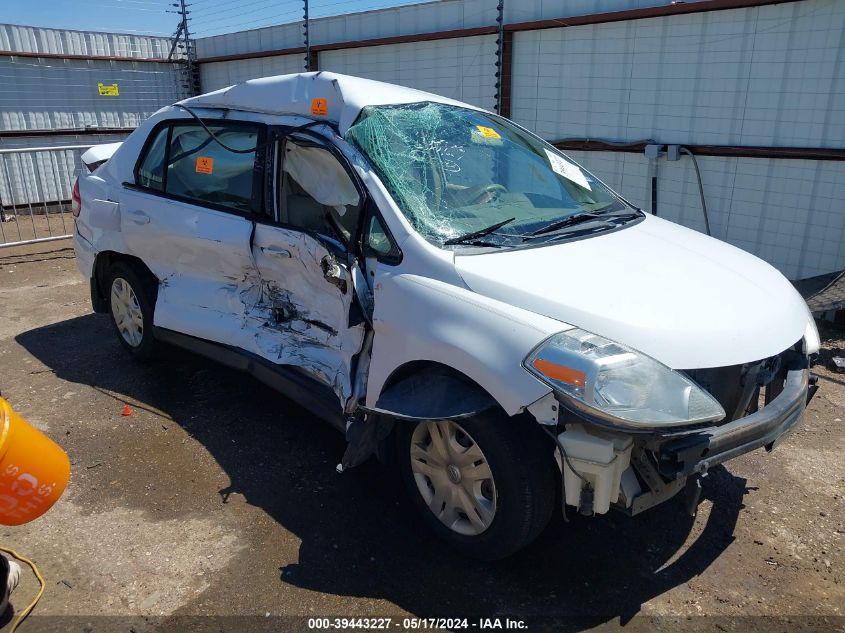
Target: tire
{"x": 511, "y": 507}
{"x": 131, "y": 297}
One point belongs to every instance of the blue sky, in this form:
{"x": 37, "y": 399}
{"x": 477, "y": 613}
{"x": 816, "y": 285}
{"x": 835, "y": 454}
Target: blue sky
{"x": 209, "y": 17}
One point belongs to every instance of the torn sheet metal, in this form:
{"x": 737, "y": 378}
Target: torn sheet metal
{"x": 295, "y": 315}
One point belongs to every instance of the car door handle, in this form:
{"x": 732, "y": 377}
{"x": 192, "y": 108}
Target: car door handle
{"x": 139, "y": 217}
{"x": 275, "y": 250}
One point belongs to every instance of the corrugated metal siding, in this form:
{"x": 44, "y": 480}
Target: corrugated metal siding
{"x": 56, "y": 93}
{"x": 32, "y": 178}
{"x": 788, "y": 212}
{"x": 771, "y": 75}
{"x": 456, "y": 68}
{"x": 31, "y": 39}
{"x": 222, "y": 74}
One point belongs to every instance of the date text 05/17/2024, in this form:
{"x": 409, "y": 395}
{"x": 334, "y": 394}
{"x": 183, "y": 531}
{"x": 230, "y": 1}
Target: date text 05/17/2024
{"x": 416, "y": 624}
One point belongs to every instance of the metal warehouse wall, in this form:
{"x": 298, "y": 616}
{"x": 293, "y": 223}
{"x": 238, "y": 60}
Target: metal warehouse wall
{"x": 50, "y": 96}
{"x": 737, "y": 82}
{"x": 56, "y": 94}
{"x": 457, "y": 68}
{"x": 764, "y": 76}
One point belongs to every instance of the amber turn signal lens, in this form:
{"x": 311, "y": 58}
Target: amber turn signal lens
{"x": 559, "y": 372}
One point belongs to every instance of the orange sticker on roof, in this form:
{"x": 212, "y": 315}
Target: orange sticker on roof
{"x": 205, "y": 165}
{"x": 320, "y": 107}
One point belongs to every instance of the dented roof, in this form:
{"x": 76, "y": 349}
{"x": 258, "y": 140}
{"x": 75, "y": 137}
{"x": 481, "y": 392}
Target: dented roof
{"x": 317, "y": 95}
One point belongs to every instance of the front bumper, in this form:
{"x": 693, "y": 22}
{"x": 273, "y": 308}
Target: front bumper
{"x": 697, "y": 452}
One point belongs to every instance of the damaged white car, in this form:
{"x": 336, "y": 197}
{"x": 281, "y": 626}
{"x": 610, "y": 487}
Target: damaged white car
{"x": 450, "y": 291}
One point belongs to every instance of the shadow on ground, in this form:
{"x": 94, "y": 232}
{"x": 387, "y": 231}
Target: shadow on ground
{"x": 358, "y": 536}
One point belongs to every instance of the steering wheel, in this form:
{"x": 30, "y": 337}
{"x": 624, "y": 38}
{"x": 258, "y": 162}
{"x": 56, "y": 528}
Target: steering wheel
{"x": 482, "y": 194}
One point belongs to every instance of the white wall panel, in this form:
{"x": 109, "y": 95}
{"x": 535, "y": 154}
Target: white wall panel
{"x": 223, "y": 74}
{"x": 457, "y": 68}
{"x": 788, "y": 212}
{"x": 444, "y": 15}
{"x": 264, "y": 39}
{"x": 770, "y": 75}
{"x": 529, "y": 10}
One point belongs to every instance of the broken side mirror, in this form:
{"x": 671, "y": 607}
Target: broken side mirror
{"x": 335, "y": 273}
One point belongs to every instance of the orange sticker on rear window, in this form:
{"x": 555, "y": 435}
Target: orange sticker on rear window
{"x": 320, "y": 107}
{"x": 205, "y": 165}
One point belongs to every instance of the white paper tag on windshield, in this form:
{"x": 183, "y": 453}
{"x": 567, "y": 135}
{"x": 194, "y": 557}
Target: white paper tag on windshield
{"x": 566, "y": 169}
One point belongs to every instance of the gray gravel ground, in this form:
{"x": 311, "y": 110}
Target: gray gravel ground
{"x": 216, "y": 506}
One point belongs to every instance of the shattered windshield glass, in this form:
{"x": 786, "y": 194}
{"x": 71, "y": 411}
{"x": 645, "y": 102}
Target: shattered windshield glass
{"x": 466, "y": 177}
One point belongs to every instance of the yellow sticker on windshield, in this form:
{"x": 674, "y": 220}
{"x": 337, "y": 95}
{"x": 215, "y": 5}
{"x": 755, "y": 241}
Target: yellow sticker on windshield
{"x": 487, "y": 132}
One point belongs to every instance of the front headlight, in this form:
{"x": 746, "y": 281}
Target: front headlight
{"x": 618, "y": 384}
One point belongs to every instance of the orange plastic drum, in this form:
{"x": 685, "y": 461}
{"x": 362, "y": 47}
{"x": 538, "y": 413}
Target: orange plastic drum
{"x": 34, "y": 470}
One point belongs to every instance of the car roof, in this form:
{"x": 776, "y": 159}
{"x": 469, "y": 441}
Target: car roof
{"x": 322, "y": 95}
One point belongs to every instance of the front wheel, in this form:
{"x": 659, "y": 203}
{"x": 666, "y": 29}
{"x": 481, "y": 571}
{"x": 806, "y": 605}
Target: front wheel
{"x": 484, "y": 484}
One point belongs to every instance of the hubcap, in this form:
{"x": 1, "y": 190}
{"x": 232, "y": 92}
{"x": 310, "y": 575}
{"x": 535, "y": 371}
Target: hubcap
{"x": 453, "y": 476}
{"x": 127, "y": 312}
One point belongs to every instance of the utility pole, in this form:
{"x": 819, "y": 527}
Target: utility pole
{"x": 500, "y": 43}
{"x": 307, "y": 36}
{"x": 190, "y": 51}
{"x": 182, "y": 39}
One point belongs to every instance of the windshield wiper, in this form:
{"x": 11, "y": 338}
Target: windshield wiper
{"x": 468, "y": 238}
{"x": 579, "y": 218}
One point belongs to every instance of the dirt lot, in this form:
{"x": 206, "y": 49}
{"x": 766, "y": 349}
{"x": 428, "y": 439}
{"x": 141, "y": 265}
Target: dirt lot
{"x": 218, "y": 497}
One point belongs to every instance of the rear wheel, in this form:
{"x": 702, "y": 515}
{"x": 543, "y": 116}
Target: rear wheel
{"x": 131, "y": 303}
{"x": 486, "y": 484}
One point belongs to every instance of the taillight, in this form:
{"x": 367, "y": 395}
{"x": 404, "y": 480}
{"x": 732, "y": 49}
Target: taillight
{"x": 75, "y": 200}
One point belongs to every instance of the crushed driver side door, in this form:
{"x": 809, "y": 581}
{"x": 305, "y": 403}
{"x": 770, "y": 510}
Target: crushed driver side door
{"x": 300, "y": 302}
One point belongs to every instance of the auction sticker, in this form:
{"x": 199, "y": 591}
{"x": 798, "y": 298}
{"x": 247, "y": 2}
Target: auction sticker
{"x": 319, "y": 107}
{"x": 205, "y": 165}
{"x": 569, "y": 171}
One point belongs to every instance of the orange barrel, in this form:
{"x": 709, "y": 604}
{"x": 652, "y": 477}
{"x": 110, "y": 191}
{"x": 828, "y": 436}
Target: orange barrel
{"x": 34, "y": 470}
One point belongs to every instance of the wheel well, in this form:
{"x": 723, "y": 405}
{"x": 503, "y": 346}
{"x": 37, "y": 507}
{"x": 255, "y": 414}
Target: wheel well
{"x": 416, "y": 368}
{"x": 104, "y": 261}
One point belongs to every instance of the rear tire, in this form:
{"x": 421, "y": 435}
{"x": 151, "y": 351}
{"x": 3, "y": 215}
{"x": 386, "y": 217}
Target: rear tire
{"x": 131, "y": 297}
{"x": 486, "y": 484}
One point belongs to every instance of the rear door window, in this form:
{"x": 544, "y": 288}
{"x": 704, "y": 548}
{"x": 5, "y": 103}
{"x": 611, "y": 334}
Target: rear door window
{"x": 201, "y": 169}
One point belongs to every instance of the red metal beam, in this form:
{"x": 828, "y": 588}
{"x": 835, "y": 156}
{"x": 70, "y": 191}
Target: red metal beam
{"x": 680, "y": 8}
{"x": 725, "y": 151}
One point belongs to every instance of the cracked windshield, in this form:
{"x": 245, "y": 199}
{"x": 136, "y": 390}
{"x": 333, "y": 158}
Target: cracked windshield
{"x": 467, "y": 178}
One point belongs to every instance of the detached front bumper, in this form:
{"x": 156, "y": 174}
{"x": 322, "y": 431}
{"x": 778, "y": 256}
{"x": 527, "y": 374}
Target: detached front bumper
{"x": 696, "y": 453}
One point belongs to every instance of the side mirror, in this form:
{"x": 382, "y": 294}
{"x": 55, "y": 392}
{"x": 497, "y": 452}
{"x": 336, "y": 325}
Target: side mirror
{"x": 335, "y": 273}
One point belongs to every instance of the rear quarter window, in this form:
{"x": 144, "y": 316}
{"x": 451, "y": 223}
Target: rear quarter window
{"x": 151, "y": 168}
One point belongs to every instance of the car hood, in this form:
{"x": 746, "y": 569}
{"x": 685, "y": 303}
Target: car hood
{"x": 688, "y": 300}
